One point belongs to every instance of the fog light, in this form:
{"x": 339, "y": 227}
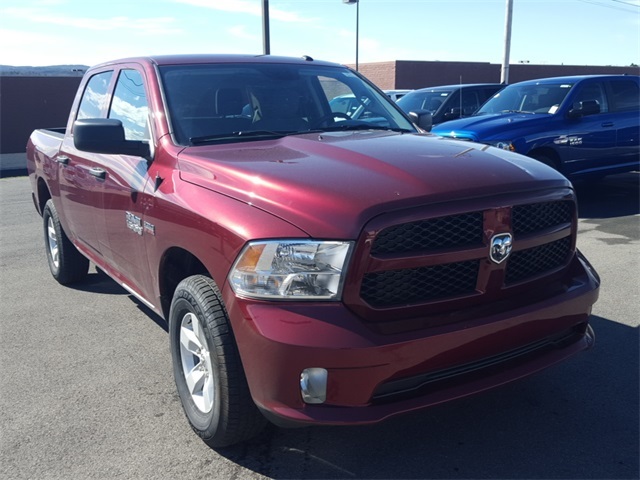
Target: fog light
{"x": 313, "y": 385}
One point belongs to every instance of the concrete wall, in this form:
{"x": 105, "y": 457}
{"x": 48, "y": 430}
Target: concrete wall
{"x": 27, "y": 103}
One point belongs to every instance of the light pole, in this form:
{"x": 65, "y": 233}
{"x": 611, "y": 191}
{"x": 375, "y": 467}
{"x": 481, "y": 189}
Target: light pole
{"x": 357, "y": 2}
{"x": 265, "y": 28}
{"x": 504, "y": 75}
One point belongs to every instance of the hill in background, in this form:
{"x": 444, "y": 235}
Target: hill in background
{"x": 52, "y": 71}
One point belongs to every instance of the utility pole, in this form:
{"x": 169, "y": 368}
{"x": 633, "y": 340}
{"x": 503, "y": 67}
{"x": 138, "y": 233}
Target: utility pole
{"x": 357, "y": 3}
{"x": 265, "y": 27}
{"x": 504, "y": 76}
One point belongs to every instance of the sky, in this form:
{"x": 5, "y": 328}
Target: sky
{"x": 87, "y": 32}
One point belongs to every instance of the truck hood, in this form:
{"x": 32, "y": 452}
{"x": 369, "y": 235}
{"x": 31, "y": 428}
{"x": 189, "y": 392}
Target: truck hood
{"x": 486, "y": 126}
{"x": 330, "y": 184}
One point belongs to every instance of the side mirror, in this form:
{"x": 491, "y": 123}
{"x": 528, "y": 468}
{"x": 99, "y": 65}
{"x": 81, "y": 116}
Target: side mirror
{"x": 423, "y": 119}
{"x": 106, "y": 135}
{"x": 587, "y": 107}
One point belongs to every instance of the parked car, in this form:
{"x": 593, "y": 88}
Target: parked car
{"x": 350, "y": 107}
{"x": 312, "y": 268}
{"x": 583, "y": 126}
{"x": 396, "y": 95}
{"x": 450, "y": 101}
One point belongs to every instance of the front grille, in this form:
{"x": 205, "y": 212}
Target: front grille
{"x": 539, "y": 216}
{"x": 455, "y": 250}
{"x": 453, "y": 231}
{"x": 401, "y": 287}
{"x": 536, "y": 261}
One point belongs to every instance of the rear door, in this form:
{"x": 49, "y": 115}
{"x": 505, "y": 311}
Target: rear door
{"x": 80, "y": 176}
{"x": 624, "y": 95}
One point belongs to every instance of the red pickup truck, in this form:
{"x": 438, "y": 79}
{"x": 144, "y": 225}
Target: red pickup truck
{"x": 313, "y": 268}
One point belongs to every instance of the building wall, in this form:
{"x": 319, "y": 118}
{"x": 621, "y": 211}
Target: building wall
{"x": 416, "y": 74}
{"x": 383, "y": 74}
{"x": 27, "y": 103}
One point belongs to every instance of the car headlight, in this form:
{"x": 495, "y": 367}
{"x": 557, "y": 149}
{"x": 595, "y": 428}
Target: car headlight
{"x": 503, "y": 145}
{"x": 291, "y": 269}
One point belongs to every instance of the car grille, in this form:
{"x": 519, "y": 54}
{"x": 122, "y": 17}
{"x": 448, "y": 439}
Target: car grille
{"x": 538, "y": 216}
{"x": 394, "y": 287}
{"x": 444, "y": 232}
{"x": 545, "y": 227}
{"x": 536, "y": 261}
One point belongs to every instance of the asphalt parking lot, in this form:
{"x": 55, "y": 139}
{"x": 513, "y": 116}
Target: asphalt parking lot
{"x": 86, "y": 388}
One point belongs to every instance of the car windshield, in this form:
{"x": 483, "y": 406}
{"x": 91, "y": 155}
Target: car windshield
{"x": 541, "y": 98}
{"x": 429, "y": 100}
{"x": 219, "y": 103}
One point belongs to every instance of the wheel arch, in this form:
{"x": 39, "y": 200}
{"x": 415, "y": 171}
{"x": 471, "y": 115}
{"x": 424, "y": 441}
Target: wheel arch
{"x": 547, "y": 153}
{"x": 176, "y": 265}
{"x": 43, "y": 194}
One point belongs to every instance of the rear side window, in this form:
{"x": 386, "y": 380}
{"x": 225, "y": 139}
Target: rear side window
{"x": 94, "y": 97}
{"x": 130, "y": 105}
{"x": 625, "y": 95}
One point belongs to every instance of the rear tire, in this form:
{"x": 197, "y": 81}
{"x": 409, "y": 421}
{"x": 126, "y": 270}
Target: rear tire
{"x": 207, "y": 369}
{"x": 66, "y": 263}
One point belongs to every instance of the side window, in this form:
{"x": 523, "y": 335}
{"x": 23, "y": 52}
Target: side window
{"x": 470, "y": 102}
{"x": 94, "y": 97}
{"x": 129, "y": 105}
{"x": 625, "y": 95}
{"x": 592, "y": 91}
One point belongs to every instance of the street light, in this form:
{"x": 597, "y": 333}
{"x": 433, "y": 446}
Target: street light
{"x": 357, "y": 2}
{"x": 266, "y": 45}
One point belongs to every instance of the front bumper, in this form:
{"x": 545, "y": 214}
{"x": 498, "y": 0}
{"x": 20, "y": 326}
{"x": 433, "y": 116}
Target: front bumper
{"x": 372, "y": 377}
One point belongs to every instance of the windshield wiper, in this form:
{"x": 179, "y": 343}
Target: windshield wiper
{"x": 515, "y": 111}
{"x": 240, "y": 136}
{"x": 338, "y": 127}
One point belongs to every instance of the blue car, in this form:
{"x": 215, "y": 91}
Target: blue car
{"x": 448, "y": 102}
{"x": 583, "y": 126}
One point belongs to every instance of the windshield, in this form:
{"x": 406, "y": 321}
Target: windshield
{"x": 217, "y": 103}
{"x": 431, "y": 101}
{"x": 543, "y": 98}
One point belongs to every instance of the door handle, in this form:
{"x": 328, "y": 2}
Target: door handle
{"x": 98, "y": 172}
{"x": 62, "y": 160}
{"x": 607, "y": 124}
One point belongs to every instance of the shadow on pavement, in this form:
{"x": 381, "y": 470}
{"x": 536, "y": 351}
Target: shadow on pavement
{"x": 100, "y": 282}
{"x": 614, "y": 196}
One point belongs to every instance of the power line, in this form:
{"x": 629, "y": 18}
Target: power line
{"x": 601, "y": 3}
{"x": 627, "y": 3}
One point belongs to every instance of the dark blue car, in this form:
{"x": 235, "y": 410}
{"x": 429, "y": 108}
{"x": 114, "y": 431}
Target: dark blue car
{"x": 584, "y": 126}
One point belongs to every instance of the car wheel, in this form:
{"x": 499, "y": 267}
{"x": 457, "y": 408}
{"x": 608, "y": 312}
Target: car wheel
{"x": 548, "y": 161}
{"x": 207, "y": 367}
{"x": 66, "y": 263}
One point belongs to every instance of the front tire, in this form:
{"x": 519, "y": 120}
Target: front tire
{"x": 548, "y": 161}
{"x": 207, "y": 369}
{"x": 66, "y": 263}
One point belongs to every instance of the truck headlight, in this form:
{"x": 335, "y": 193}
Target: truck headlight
{"x": 291, "y": 269}
{"x": 503, "y": 145}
